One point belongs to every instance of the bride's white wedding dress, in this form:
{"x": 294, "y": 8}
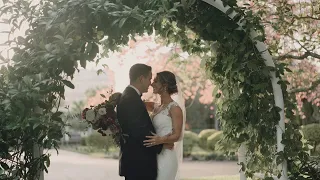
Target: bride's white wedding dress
{"x": 167, "y": 159}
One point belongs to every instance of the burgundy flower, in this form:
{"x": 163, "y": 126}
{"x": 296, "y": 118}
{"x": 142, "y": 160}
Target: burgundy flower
{"x": 106, "y": 120}
{"x": 83, "y": 115}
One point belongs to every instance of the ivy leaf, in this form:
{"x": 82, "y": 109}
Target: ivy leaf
{"x": 64, "y": 28}
{"x": 83, "y": 63}
{"x": 6, "y": 101}
{"x": 215, "y": 90}
{"x": 100, "y": 71}
{"x": 122, "y": 21}
{"x": 4, "y": 165}
{"x": 288, "y": 70}
{"x": 268, "y": 178}
{"x": 243, "y": 166}
{"x": 20, "y": 39}
{"x": 42, "y": 105}
{"x": 252, "y": 65}
{"x": 68, "y": 67}
{"x": 114, "y": 22}
{"x": 68, "y": 83}
{"x": 102, "y": 95}
{"x": 59, "y": 37}
{"x": 20, "y": 105}
{"x": 93, "y": 52}
{"x": 259, "y": 38}
{"x": 266, "y": 71}
{"x": 241, "y": 77}
{"x": 48, "y": 47}
{"x": 277, "y": 109}
{"x": 237, "y": 17}
{"x": 243, "y": 137}
{"x": 280, "y": 157}
{"x": 46, "y": 169}
{"x": 47, "y": 159}
{"x": 57, "y": 114}
{"x": 88, "y": 47}
{"x": 187, "y": 3}
{"x": 229, "y": 11}
{"x": 35, "y": 126}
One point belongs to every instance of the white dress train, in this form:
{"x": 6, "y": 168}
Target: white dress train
{"x": 167, "y": 159}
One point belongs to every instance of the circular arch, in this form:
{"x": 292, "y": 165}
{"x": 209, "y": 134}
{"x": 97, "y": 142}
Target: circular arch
{"x": 67, "y": 32}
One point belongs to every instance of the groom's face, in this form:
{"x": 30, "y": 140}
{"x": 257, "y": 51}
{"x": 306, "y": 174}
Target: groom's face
{"x": 145, "y": 82}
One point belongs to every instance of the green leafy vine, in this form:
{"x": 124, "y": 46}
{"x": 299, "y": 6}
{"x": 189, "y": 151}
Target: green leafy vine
{"x": 64, "y": 34}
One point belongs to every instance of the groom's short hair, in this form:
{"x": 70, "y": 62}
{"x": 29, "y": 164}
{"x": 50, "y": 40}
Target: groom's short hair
{"x": 138, "y": 70}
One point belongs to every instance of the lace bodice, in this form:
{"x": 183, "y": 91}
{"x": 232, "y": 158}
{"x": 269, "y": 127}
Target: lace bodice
{"x": 162, "y": 121}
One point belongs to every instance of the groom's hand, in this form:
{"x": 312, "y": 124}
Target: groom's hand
{"x": 168, "y": 146}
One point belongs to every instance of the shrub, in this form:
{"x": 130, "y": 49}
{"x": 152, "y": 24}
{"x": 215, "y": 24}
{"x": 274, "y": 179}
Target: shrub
{"x": 190, "y": 139}
{"x": 311, "y": 132}
{"x": 209, "y": 156}
{"x": 213, "y": 140}
{"x": 83, "y": 141}
{"x": 96, "y": 140}
{"x": 203, "y": 136}
{"x": 226, "y": 146}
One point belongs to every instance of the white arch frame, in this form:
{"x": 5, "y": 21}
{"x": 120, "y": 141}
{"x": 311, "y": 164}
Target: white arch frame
{"x": 277, "y": 91}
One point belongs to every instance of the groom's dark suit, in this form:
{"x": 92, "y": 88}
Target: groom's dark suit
{"x": 137, "y": 162}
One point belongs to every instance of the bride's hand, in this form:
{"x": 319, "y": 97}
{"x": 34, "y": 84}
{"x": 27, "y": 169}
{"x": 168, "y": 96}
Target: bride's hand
{"x": 149, "y": 106}
{"x": 153, "y": 140}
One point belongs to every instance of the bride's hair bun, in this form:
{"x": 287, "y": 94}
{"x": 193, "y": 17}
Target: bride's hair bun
{"x": 168, "y": 78}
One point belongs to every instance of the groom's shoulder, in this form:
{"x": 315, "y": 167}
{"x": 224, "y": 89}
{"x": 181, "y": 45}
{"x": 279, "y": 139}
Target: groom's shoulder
{"x": 126, "y": 96}
{"x": 127, "y": 90}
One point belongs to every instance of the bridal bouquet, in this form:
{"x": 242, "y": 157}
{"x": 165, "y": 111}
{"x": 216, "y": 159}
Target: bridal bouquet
{"x": 103, "y": 118}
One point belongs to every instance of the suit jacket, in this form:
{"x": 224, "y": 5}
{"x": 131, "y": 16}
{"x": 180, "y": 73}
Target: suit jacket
{"x": 136, "y": 160}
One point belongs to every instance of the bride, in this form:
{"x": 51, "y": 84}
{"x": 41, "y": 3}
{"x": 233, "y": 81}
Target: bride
{"x": 168, "y": 118}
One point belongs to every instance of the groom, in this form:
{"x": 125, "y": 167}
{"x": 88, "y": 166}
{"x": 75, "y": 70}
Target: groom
{"x": 137, "y": 162}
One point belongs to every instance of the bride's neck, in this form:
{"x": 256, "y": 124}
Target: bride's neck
{"x": 165, "y": 98}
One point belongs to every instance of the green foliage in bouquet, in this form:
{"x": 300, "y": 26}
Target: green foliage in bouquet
{"x": 103, "y": 117}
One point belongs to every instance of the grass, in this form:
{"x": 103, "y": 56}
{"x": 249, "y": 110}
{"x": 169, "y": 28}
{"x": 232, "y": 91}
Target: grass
{"x": 236, "y": 177}
{"x": 112, "y": 152}
{"x": 200, "y": 154}
{"x": 197, "y": 154}
{"x": 216, "y": 178}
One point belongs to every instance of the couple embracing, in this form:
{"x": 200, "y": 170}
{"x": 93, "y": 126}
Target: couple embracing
{"x": 152, "y": 148}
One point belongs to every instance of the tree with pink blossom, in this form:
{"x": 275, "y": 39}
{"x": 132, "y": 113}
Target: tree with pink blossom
{"x": 196, "y": 87}
{"x": 292, "y": 34}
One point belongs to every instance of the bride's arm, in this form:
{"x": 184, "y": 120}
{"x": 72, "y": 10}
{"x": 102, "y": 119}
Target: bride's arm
{"x": 177, "y": 121}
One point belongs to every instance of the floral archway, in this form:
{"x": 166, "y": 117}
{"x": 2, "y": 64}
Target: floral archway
{"x": 67, "y": 33}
